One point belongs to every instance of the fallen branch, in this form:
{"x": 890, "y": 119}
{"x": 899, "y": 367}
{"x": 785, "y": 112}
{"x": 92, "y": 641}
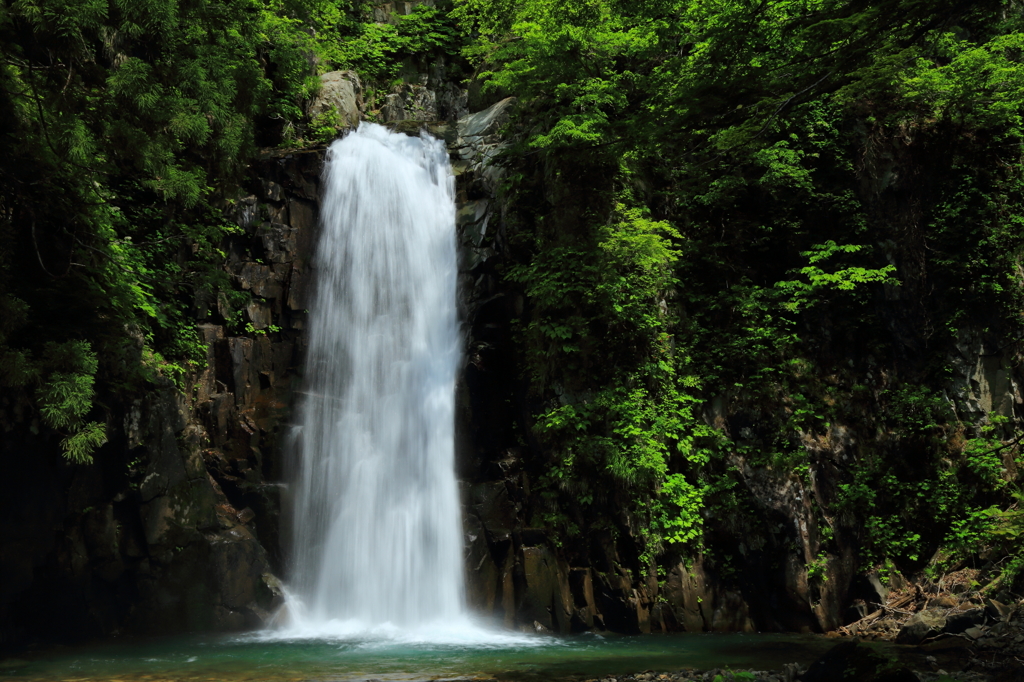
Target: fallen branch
{"x": 895, "y": 606}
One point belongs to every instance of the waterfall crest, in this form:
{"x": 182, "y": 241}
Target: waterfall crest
{"x": 376, "y": 521}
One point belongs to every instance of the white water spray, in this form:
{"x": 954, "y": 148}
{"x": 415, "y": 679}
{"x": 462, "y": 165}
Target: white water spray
{"x": 377, "y": 532}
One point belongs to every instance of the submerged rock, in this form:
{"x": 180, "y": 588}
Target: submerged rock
{"x": 850, "y": 661}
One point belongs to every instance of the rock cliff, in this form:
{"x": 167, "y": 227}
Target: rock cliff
{"x": 175, "y": 528}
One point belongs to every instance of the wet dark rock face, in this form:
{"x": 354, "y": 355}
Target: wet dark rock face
{"x": 175, "y": 526}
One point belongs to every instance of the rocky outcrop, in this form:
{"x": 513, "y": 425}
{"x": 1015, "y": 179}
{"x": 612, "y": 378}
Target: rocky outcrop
{"x": 200, "y": 566}
{"x": 339, "y": 101}
{"x": 175, "y": 527}
{"x": 208, "y": 487}
{"x": 983, "y": 380}
{"x": 921, "y": 626}
{"x": 425, "y": 94}
{"x": 145, "y": 541}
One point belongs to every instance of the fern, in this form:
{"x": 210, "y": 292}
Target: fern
{"x": 82, "y": 443}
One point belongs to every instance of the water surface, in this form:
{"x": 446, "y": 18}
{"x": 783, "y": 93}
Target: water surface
{"x": 381, "y": 657}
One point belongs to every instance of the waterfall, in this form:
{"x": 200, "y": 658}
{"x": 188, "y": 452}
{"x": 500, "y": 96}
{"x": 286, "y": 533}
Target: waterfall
{"x": 376, "y": 522}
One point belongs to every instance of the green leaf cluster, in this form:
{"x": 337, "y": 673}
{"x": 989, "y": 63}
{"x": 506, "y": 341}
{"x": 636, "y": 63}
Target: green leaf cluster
{"x": 378, "y": 51}
{"x": 121, "y": 119}
{"x": 842, "y": 182}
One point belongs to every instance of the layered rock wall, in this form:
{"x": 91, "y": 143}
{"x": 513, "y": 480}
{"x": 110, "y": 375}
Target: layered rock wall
{"x": 176, "y": 526}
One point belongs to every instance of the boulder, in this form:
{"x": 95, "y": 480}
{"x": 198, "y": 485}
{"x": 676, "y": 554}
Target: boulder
{"x": 997, "y": 610}
{"x": 732, "y": 614}
{"x": 581, "y": 585}
{"x": 960, "y": 622}
{"x": 927, "y": 623}
{"x": 340, "y": 91}
{"x": 410, "y": 103}
{"x": 868, "y": 588}
{"x": 688, "y": 592}
{"x": 879, "y": 592}
{"x": 487, "y": 122}
{"x": 942, "y": 602}
{"x": 975, "y": 632}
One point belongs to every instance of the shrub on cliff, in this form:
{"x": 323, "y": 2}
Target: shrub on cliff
{"x": 119, "y": 120}
{"x": 842, "y": 192}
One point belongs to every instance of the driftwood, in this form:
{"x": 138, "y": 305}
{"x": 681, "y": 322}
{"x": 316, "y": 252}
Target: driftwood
{"x": 875, "y": 615}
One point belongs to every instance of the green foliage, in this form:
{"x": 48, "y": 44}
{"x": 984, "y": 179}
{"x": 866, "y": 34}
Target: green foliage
{"x": 377, "y": 50}
{"x": 120, "y": 118}
{"x": 819, "y": 283}
{"x": 615, "y": 284}
{"x": 730, "y": 676}
{"x": 1006, "y": 528}
{"x": 1009, "y": 523}
{"x": 960, "y": 74}
{"x": 63, "y": 379}
{"x": 817, "y": 570}
{"x": 916, "y": 411}
{"x": 622, "y": 415}
{"x": 324, "y": 127}
{"x": 680, "y": 519}
{"x": 843, "y": 186}
{"x": 79, "y": 446}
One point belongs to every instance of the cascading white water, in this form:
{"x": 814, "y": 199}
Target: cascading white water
{"x": 376, "y": 535}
